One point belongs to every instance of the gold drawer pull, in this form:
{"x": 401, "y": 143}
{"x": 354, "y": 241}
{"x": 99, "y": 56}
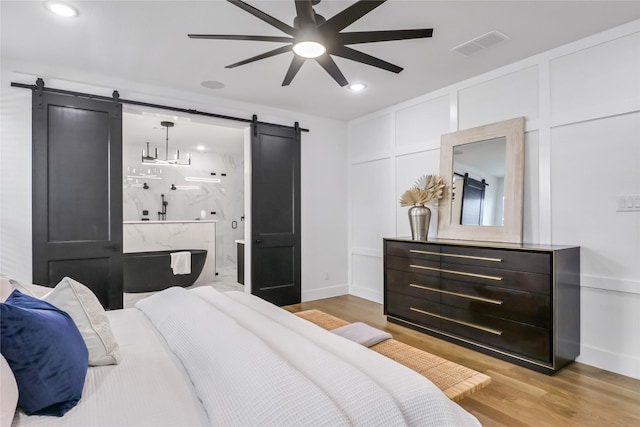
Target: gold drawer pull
{"x": 489, "y": 300}
{"x": 471, "y": 325}
{"x": 461, "y": 273}
{"x": 481, "y": 258}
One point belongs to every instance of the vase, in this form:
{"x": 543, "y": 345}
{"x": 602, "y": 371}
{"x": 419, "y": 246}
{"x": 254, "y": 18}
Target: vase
{"x": 419, "y": 217}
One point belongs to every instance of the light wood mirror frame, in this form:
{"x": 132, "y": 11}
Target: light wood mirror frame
{"x": 511, "y": 231}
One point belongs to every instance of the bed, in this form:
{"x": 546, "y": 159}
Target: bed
{"x": 201, "y": 357}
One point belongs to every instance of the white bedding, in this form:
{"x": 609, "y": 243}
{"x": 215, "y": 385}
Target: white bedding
{"x": 148, "y": 388}
{"x": 201, "y": 357}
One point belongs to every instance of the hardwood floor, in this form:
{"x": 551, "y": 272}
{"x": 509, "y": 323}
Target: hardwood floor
{"x": 579, "y": 395}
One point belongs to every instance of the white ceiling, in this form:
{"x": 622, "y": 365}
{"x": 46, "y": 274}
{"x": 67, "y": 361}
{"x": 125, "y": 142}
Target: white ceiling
{"x": 146, "y": 42}
{"x": 187, "y": 134}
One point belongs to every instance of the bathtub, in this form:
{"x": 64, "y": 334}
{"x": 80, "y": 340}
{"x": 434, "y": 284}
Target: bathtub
{"x": 151, "y": 271}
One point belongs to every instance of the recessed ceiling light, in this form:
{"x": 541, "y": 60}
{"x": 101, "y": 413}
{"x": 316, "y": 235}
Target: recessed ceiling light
{"x": 61, "y": 9}
{"x": 212, "y": 84}
{"x": 357, "y": 87}
{"x": 200, "y": 147}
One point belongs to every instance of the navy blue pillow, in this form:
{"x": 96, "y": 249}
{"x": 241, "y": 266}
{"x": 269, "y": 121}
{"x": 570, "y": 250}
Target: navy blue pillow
{"x": 45, "y": 352}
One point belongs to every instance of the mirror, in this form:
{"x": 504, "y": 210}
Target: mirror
{"x": 486, "y": 166}
{"x": 478, "y": 174}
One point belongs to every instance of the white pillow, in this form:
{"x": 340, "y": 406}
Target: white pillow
{"x": 8, "y": 393}
{"x": 5, "y": 288}
{"x": 30, "y": 289}
{"x": 90, "y": 318}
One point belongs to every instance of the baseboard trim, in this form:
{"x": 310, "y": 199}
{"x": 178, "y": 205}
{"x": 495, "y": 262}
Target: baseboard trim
{"x": 610, "y": 284}
{"x": 623, "y": 364}
{"x": 365, "y": 293}
{"x": 328, "y": 292}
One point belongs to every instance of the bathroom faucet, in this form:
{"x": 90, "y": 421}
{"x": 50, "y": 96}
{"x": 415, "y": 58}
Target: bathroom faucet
{"x": 162, "y": 216}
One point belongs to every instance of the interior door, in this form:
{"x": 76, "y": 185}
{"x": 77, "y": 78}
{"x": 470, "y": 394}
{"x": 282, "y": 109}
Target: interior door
{"x": 77, "y": 193}
{"x": 275, "y": 205}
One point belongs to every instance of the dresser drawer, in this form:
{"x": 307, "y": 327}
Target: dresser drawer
{"x": 515, "y": 280}
{"x": 519, "y": 338}
{"x": 430, "y": 267}
{"x": 417, "y": 250}
{"x": 399, "y": 305}
{"x": 402, "y": 281}
{"x": 523, "y": 307}
{"x": 535, "y": 262}
{"x": 510, "y": 279}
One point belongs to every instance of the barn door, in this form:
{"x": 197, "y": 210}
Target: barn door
{"x": 77, "y": 193}
{"x": 275, "y": 205}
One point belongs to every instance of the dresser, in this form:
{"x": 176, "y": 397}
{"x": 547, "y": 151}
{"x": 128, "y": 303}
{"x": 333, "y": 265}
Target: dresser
{"x": 517, "y": 302}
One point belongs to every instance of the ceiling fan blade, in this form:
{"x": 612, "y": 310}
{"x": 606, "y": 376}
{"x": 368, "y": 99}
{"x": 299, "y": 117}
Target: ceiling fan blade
{"x": 349, "y": 15}
{"x": 269, "y": 54}
{"x": 330, "y": 67}
{"x": 263, "y": 16}
{"x": 296, "y": 63}
{"x": 305, "y": 15}
{"x": 355, "y": 55}
{"x": 241, "y": 37}
{"x": 383, "y": 36}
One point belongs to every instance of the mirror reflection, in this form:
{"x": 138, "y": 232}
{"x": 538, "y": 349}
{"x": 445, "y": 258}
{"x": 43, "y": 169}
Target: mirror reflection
{"x": 478, "y": 174}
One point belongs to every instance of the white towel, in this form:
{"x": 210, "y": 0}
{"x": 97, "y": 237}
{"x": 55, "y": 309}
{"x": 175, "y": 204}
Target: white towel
{"x": 181, "y": 262}
{"x": 362, "y": 333}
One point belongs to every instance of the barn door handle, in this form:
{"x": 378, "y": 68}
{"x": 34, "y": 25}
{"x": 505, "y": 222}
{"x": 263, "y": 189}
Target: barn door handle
{"x": 258, "y": 241}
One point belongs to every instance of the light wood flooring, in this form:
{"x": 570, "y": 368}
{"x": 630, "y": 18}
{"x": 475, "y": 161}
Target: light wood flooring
{"x": 578, "y": 395}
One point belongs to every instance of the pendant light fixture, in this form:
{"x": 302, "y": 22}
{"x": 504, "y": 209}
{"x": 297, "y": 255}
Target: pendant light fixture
{"x": 147, "y": 158}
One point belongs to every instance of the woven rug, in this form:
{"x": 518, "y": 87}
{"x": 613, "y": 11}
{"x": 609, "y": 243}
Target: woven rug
{"x": 456, "y": 381}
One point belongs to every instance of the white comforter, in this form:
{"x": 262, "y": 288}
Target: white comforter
{"x": 255, "y": 364}
{"x": 200, "y": 357}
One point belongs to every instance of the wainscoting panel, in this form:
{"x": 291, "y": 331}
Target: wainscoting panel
{"x": 607, "y": 316}
{"x": 512, "y": 95}
{"x": 408, "y": 169}
{"x": 583, "y": 195}
{"x": 420, "y": 126}
{"x": 601, "y": 84}
{"x": 367, "y": 277}
{"x": 371, "y": 139}
{"x": 372, "y": 203}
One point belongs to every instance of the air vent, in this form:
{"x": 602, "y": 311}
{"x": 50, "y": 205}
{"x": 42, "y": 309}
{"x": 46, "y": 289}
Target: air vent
{"x": 482, "y": 42}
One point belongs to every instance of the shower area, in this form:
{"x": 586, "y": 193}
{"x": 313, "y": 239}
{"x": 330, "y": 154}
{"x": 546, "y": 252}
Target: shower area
{"x": 184, "y": 172}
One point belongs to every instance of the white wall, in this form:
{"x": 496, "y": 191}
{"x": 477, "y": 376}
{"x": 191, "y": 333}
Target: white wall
{"x": 582, "y": 149}
{"x": 324, "y": 170}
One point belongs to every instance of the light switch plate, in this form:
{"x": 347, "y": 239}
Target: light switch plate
{"x": 628, "y": 203}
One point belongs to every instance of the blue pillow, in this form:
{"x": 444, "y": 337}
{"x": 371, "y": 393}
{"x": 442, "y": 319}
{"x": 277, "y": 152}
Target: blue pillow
{"x": 45, "y": 352}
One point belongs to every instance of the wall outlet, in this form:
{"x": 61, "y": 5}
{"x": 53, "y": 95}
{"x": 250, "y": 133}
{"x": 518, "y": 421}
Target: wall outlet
{"x": 628, "y": 203}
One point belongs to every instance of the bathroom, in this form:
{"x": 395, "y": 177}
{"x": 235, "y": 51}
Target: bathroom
{"x": 183, "y": 188}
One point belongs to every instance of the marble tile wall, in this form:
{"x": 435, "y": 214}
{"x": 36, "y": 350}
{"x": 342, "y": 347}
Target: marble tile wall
{"x": 220, "y": 201}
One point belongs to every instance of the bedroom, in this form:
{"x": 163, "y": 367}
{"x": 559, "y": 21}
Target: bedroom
{"x": 341, "y": 255}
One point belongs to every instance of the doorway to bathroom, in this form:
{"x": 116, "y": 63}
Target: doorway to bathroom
{"x": 184, "y": 188}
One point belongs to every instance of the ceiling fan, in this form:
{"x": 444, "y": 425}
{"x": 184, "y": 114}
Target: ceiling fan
{"x": 313, "y": 36}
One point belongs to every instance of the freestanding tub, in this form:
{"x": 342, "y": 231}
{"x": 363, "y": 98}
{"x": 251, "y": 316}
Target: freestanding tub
{"x": 151, "y": 271}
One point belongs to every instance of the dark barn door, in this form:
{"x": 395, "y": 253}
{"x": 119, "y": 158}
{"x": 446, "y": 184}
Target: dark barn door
{"x": 275, "y": 205}
{"x": 77, "y": 193}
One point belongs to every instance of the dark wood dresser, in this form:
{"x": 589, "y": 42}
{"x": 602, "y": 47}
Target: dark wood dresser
{"x": 518, "y": 302}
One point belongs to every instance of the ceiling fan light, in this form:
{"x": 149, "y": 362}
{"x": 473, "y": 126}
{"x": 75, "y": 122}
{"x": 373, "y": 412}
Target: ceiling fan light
{"x": 357, "y": 87}
{"x": 309, "y": 49}
{"x": 61, "y": 9}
